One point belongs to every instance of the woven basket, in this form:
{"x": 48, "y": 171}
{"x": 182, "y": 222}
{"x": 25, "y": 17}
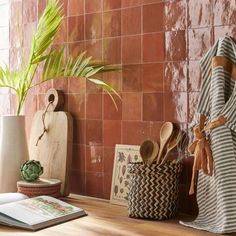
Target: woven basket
{"x": 34, "y": 192}
{"x": 48, "y": 187}
{"x": 154, "y": 190}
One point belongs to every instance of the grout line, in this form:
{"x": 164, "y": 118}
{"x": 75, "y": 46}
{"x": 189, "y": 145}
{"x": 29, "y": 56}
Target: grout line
{"x": 164, "y": 62}
{"x": 103, "y": 186}
{"x": 121, "y": 80}
{"x": 85, "y": 123}
{"x": 142, "y": 60}
{"x": 187, "y": 58}
{"x": 212, "y": 23}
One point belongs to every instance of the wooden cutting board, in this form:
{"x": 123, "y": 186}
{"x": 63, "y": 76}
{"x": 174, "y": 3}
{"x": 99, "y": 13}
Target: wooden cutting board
{"x": 54, "y": 150}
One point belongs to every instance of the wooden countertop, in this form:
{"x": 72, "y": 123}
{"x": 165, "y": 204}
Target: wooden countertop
{"x": 107, "y": 219}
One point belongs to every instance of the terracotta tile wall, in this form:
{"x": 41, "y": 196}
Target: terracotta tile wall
{"x": 158, "y": 43}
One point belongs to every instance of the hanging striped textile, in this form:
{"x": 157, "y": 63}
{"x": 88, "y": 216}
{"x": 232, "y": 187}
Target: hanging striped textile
{"x": 216, "y": 195}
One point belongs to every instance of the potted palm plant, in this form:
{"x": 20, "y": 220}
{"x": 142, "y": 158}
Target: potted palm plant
{"x": 13, "y": 144}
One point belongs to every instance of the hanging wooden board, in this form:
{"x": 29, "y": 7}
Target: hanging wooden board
{"x": 54, "y": 150}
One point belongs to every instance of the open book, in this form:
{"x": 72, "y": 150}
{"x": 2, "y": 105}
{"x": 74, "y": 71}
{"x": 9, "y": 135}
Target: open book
{"x": 37, "y": 213}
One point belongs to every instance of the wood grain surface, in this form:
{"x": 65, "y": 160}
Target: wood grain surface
{"x": 107, "y": 219}
{"x": 54, "y": 150}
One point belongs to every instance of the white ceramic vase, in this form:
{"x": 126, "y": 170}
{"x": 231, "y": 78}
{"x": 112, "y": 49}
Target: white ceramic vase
{"x": 13, "y": 151}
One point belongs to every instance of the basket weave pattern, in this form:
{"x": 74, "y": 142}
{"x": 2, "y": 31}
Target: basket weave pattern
{"x": 53, "y": 191}
{"x": 153, "y": 190}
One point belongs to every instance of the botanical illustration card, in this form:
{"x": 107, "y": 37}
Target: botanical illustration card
{"x": 124, "y": 154}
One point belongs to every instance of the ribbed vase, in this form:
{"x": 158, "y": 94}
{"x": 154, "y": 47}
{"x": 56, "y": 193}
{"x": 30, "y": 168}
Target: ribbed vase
{"x": 13, "y": 151}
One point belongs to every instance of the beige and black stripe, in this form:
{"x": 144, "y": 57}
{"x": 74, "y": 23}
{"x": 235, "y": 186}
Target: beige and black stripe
{"x": 216, "y": 195}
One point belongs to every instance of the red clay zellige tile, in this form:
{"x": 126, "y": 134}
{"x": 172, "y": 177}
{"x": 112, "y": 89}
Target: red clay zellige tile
{"x": 61, "y": 84}
{"x": 153, "y": 17}
{"x": 113, "y": 79}
{"x": 175, "y": 107}
{"x": 111, "y": 132}
{"x": 64, "y": 4}
{"x": 153, "y": 47}
{"x": 94, "y": 106}
{"x": 78, "y": 157}
{"x": 131, "y": 105}
{"x": 94, "y": 49}
{"x": 131, "y": 49}
{"x": 29, "y": 11}
{"x": 132, "y": 78}
{"x": 176, "y": 76}
{"x": 224, "y": 12}
{"x": 153, "y": 77}
{"x": 135, "y": 132}
{"x": 94, "y": 157}
{"x": 130, "y": 3}
{"x": 111, "y": 4}
{"x": 93, "y": 26}
{"x": 93, "y": 6}
{"x": 107, "y": 185}
{"x": 76, "y": 48}
{"x": 110, "y": 112}
{"x": 200, "y": 41}
{"x": 200, "y": 13}
{"x": 192, "y": 105}
{"x": 174, "y": 50}
{"x": 131, "y": 21}
{"x": 112, "y": 23}
{"x": 77, "y": 182}
{"x": 194, "y": 80}
{"x": 41, "y": 6}
{"x": 61, "y": 36}
{"x": 153, "y": 107}
{"x": 112, "y": 50}
{"x": 76, "y": 105}
{"x": 108, "y": 162}
{"x": 75, "y": 28}
{"x": 76, "y": 7}
{"x": 94, "y": 132}
{"x": 94, "y": 184}
{"x": 222, "y": 31}
{"x": 76, "y": 85}
{"x": 175, "y": 15}
{"x": 79, "y": 131}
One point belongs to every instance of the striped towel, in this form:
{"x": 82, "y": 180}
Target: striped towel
{"x": 216, "y": 195}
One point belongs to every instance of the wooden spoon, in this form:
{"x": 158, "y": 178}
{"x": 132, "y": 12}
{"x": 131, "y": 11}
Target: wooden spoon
{"x": 171, "y": 145}
{"x": 165, "y": 134}
{"x": 149, "y": 151}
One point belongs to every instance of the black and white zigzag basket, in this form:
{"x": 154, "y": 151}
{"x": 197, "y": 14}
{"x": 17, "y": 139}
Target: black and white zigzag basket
{"x": 153, "y": 190}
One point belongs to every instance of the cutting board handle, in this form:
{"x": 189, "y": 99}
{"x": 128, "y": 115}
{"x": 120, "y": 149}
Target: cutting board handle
{"x": 57, "y": 99}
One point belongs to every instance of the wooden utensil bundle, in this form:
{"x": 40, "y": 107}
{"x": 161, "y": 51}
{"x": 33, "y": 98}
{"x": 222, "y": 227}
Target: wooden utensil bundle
{"x": 170, "y": 138}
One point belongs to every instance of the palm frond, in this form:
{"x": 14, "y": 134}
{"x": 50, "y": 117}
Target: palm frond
{"x": 47, "y": 28}
{"x": 54, "y": 63}
{"x": 8, "y": 78}
{"x": 105, "y": 86}
{"x": 56, "y": 66}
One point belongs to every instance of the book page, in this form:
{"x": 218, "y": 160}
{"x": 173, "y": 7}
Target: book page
{"x": 11, "y": 197}
{"x": 37, "y": 210}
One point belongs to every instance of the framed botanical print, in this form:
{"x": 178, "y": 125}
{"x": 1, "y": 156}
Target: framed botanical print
{"x": 120, "y": 178}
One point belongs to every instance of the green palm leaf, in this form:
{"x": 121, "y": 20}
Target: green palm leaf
{"x": 54, "y": 63}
